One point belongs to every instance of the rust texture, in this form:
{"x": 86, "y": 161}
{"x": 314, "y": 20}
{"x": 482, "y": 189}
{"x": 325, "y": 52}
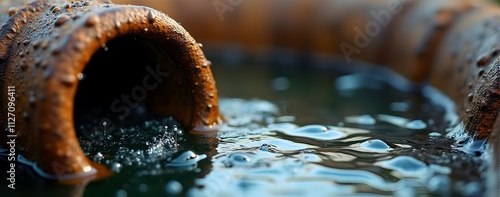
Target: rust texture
{"x": 44, "y": 45}
{"x": 452, "y": 44}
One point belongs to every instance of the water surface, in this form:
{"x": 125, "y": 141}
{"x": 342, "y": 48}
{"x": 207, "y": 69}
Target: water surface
{"x": 288, "y": 132}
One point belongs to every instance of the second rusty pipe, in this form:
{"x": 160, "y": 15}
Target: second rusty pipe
{"x": 46, "y": 44}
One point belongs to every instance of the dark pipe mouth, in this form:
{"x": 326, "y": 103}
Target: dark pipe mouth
{"x": 119, "y": 82}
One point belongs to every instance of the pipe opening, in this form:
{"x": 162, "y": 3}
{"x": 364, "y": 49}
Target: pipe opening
{"x": 123, "y": 82}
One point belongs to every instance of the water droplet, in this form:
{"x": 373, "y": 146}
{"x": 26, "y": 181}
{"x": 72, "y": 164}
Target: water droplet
{"x": 56, "y": 51}
{"x": 200, "y": 44}
{"x": 434, "y": 134}
{"x": 483, "y": 60}
{"x": 37, "y": 44}
{"x": 32, "y": 97}
{"x": 118, "y": 24}
{"x": 68, "y": 80}
{"x": 207, "y": 64}
{"x": 470, "y": 97}
{"x": 266, "y": 147}
{"x": 480, "y": 73}
{"x": 12, "y": 11}
{"x": 317, "y": 132}
{"x": 405, "y": 166}
{"x": 98, "y": 157}
{"x": 79, "y": 45}
{"x": 375, "y": 145}
{"x": 173, "y": 187}
{"x": 116, "y": 167}
{"x": 23, "y": 65}
{"x": 80, "y": 76}
{"x": 92, "y": 21}
{"x": 151, "y": 17}
{"x": 56, "y": 10}
{"x": 495, "y": 51}
{"x": 61, "y": 20}
{"x": 416, "y": 125}
{"x": 237, "y": 159}
{"x": 184, "y": 159}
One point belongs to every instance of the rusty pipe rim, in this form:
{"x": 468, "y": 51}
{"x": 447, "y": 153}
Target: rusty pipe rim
{"x": 46, "y": 45}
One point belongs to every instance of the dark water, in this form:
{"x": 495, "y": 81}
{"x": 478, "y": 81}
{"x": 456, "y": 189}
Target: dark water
{"x": 288, "y": 132}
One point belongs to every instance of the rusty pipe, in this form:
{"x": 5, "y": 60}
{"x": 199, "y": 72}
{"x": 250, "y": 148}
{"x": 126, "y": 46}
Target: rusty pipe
{"x": 45, "y": 46}
{"x": 452, "y": 44}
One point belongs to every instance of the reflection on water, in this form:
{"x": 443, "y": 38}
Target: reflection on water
{"x": 282, "y": 158}
{"x": 307, "y": 135}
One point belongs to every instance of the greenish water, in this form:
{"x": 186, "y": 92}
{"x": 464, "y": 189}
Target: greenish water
{"x": 288, "y": 132}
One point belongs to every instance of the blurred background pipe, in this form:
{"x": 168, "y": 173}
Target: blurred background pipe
{"x": 48, "y": 47}
{"x": 452, "y": 44}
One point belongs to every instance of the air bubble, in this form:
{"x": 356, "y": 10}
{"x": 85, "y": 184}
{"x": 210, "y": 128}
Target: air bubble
{"x": 237, "y": 159}
{"x": 362, "y": 120}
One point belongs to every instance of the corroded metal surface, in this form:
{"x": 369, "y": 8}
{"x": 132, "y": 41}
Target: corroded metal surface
{"x": 44, "y": 45}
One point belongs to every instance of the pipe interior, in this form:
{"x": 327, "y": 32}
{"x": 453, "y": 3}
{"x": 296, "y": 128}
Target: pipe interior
{"x": 118, "y": 83}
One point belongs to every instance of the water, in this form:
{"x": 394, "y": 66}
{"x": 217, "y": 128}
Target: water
{"x": 308, "y": 134}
